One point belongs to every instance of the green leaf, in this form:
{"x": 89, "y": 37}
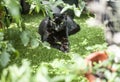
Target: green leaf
{"x": 34, "y": 43}
{"x": 108, "y": 74}
{"x": 42, "y": 74}
{"x": 32, "y": 7}
{"x": 1, "y": 36}
{"x": 25, "y": 38}
{"x": 4, "y": 58}
{"x": 47, "y": 45}
{"x": 14, "y": 9}
{"x": 37, "y": 8}
{"x": 77, "y": 12}
{"x": 66, "y": 8}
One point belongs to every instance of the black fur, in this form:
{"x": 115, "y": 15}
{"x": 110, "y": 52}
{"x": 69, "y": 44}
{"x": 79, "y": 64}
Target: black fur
{"x": 25, "y": 7}
{"x": 57, "y": 29}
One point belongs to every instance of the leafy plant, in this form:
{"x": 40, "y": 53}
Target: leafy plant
{"x": 63, "y": 71}
{"x": 30, "y": 37}
{"x": 17, "y": 74}
{"x": 6, "y": 49}
{"x": 108, "y": 70}
{"x": 10, "y": 11}
{"x": 77, "y": 10}
{"x": 43, "y": 6}
{"x": 46, "y": 6}
{"x": 10, "y": 17}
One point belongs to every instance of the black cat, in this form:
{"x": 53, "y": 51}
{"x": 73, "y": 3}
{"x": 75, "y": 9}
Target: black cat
{"x": 57, "y": 29}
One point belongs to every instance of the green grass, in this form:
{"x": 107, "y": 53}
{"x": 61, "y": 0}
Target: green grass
{"x": 87, "y": 40}
{"x": 87, "y": 37}
{"x": 37, "y": 55}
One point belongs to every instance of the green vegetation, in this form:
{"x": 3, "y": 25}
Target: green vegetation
{"x": 80, "y": 42}
{"x": 88, "y": 40}
{"x": 19, "y": 40}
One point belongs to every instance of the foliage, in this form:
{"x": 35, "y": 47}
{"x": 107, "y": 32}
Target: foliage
{"x": 10, "y": 10}
{"x": 6, "y": 49}
{"x": 46, "y": 6}
{"x": 67, "y": 67}
{"x": 63, "y": 71}
{"x": 29, "y": 37}
{"x": 107, "y": 71}
{"x": 60, "y": 70}
{"x": 16, "y": 74}
{"x": 10, "y": 17}
{"x": 77, "y": 10}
